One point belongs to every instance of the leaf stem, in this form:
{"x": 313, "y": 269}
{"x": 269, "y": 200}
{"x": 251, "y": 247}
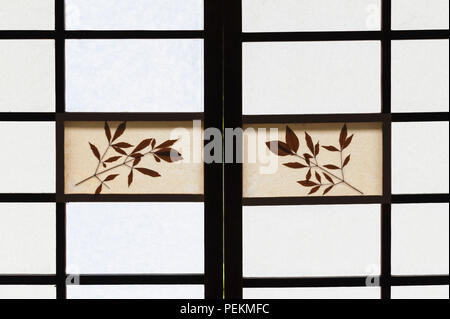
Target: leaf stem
{"x": 109, "y": 169}
{"x": 328, "y": 172}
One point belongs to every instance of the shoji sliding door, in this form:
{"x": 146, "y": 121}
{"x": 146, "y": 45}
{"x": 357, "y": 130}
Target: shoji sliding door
{"x": 104, "y": 193}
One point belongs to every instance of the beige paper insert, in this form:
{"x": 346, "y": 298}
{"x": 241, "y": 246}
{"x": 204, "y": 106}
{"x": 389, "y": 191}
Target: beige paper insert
{"x": 176, "y": 175}
{"x": 362, "y": 172}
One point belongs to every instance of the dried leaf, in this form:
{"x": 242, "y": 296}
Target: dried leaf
{"x": 329, "y": 166}
{"x": 169, "y": 155}
{"x": 292, "y": 140}
{"x": 309, "y": 142}
{"x": 348, "y": 141}
{"x": 142, "y": 145}
{"x": 119, "y": 150}
{"x": 295, "y": 165}
{"x": 331, "y": 148}
{"x": 307, "y": 158}
{"x": 279, "y": 148}
{"x": 137, "y": 160}
{"x": 99, "y": 189}
{"x": 156, "y": 158}
{"x": 343, "y": 136}
{"x": 328, "y": 189}
{"x": 318, "y": 177}
{"x": 137, "y": 155}
{"x": 147, "y": 171}
{"x": 112, "y": 159}
{"x": 119, "y": 131}
{"x": 122, "y": 145}
{"x": 130, "y": 178}
{"x": 107, "y": 132}
{"x": 166, "y": 144}
{"x": 328, "y": 177}
{"x": 95, "y": 150}
{"x": 346, "y": 161}
{"x": 110, "y": 177}
{"x": 153, "y": 143}
{"x": 307, "y": 183}
{"x": 308, "y": 175}
{"x": 104, "y": 165}
{"x": 315, "y": 189}
{"x": 317, "y": 149}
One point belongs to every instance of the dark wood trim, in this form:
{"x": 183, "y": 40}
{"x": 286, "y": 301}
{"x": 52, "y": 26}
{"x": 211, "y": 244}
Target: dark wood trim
{"x": 60, "y": 108}
{"x": 144, "y": 279}
{"x": 420, "y": 280}
{"x": 27, "y": 198}
{"x": 311, "y": 36}
{"x": 28, "y": 280}
{"x": 386, "y": 97}
{"x": 213, "y": 177}
{"x": 345, "y": 35}
{"x": 420, "y": 198}
{"x": 310, "y": 282}
{"x": 421, "y": 117}
{"x": 27, "y": 116}
{"x": 233, "y": 171}
{"x": 305, "y": 282}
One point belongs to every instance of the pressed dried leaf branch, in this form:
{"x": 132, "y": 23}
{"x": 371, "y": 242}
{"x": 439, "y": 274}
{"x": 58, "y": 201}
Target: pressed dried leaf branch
{"x": 130, "y": 159}
{"x": 310, "y": 160}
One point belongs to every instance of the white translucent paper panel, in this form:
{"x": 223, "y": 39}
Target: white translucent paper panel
{"x": 136, "y": 292}
{"x": 27, "y": 238}
{"x": 311, "y": 77}
{"x": 313, "y": 293}
{"x": 338, "y": 240}
{"x": 134, "y": 75}
{"x": 27, "y": 81}
{"x": 420, "y": 14}
{"x": 420, "y": 292}
{"x": 27, "y": 292}
{"x": 420, "y": 76}
{"x": 135, "y": 238}
{"x": 28, "y": 161}
{"x": 420, "y": 237}
{"x": 310, "y": 15}
{"x": 420, "y": 157}
{"x": 27, "y": 14}
{"x": 134, "y": 15}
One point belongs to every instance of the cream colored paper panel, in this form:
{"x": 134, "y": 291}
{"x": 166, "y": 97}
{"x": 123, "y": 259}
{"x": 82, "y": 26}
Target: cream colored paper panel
{"x": 420, "y": 76}
{"x": 131, "y": 238}
{"x": 27, "y": 14}
{"x": 420, "y": 239}
{"x": 411, "y": 142}
{"x": 27, "y": 238}
{"x": 27, "y": 82}
{"x": 30, "y": 164}
{"x": 420, "y": 292}
{"x": 311, "y": 77}
{"x": 420, "y": 14}
{"x": 266, "y": 174}
{"x": 310, "y": 15}
{"x": 156, "y": 173}
{"x": 136, "y": 292}
{"x": 159, "y": 75}
{"x": 313, "y": 293}
{"x": 332, "y": 240}
{"x": 134, "y": 15}
{"x": 27, "y": 292}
